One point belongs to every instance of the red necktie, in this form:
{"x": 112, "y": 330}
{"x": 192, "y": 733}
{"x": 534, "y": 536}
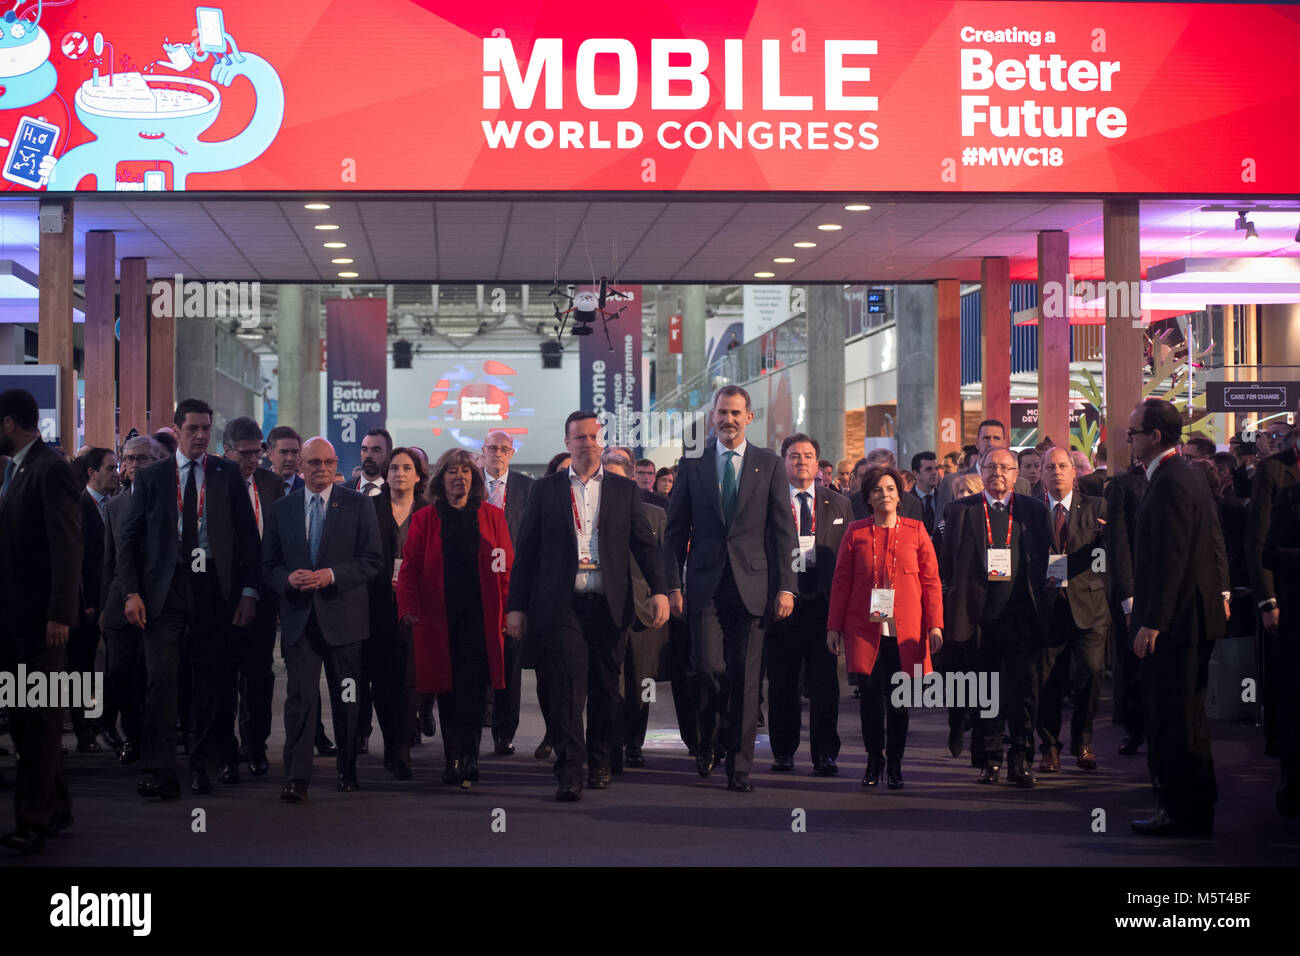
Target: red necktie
{"x": 1060, "y": 526}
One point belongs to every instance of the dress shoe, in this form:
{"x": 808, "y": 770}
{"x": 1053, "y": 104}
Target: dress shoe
{"x": 160, "y": 785}
{"x": 503, "y": 748}
{"x": 23, "y": 840}
{"x": 348, "y": 784}
{"x": 1086, "y": 759}
{"x": 451, "y": 772}
{"x": 90, "y": 746}
{"x": 872, "y": 777}
{"x": 427, "y": 726}
{"x": 634, "y": 758}
{"x": 599, "y": 779}
{"x": 705, "y": 763}
{"x": 825, "y": 767}
{"x": 1050, "y": 762}
{"x": 1022, "y": 777}
{"x": 782, "y": 764}
{"x": 543, "y": 750}
{"x": 1162, "y": 824}
{"x": 130, "y": 753}
{"x": 258, "y": 765}
{"x": 229, "y": 773}
{"x": 739, "y": 782}
{"x": 568, "y": 793}
{"x": 954, "y": 741}
{"x": 856, "y": 693}
{"x": 325, "y": 747}
{"x": 200, "y": 782}
{"x": 363, "y": 745}
{"x": 112, "y": 739}
{"x": 469, "y": 769}
{"x": 294, "y": 791}
{"x": 990, "y": 774}
{"x": 1129, "y": 745}
{"x": 894, "y": 776}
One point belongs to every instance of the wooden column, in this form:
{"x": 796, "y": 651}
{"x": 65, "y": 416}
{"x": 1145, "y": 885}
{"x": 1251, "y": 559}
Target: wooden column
{"x": 947, "y": 368}
{"x": 54, "y": 310}
{"x": 1054, "y": 295}
{"x": 995, "y": 338}
{"x": 1230, "y": 359}
{"x": 1124, "y": 336}
{"x": 100, "y": 362}
{"x": 133, "y": 366}
{"x": 162, "y": 355}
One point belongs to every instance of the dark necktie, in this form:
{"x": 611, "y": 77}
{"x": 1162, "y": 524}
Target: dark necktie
{"x": 728, "y": 488}
{"x": 927, "y": 504}
{"x": 1059, "y": 527}
{"x": 807, "y": 577}
{"x": 190, "y": 515}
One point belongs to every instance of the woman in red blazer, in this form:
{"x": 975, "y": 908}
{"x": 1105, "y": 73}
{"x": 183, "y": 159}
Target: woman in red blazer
{"x": 881, "y": 558}
{"x": 452, "y": 589}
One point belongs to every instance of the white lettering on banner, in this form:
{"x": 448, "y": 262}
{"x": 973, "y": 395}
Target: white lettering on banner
{"x": 663, "y": 73}
{"x": 352, "y": 398}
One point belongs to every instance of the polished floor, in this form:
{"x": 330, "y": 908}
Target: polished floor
{"x": 665, "y": 814}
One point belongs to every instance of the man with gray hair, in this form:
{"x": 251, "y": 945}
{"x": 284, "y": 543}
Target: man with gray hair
{"x": 909, "y": 506}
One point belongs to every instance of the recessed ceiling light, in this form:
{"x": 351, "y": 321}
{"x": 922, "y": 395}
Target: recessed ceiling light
{"x": 764, "y": 275}
{"x": 783, "y": 259}
{"x": 805, "y": 245}
{"x": 824, "y": 227}
{"x": 857, "y": 207}
{"x": 324, "y": 226}
{"x": 316, "y": 205}
{"x": 335, "y": 245}
{"x": 342, "y": 262}
{"x": 348, "y": 275}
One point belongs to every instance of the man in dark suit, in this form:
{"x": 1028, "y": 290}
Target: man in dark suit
{"x": 187, "y": 563}
{"x": 994, "y": 570}
{"x": 127, "y": 678}
{"x": 254, "y": 645}
{"x": 1180, "y": 607}
{"x": 1282, "y": 557}
{"x": 820, "y": 516}
{"x": 284, "y": 448}
{"x": 320, "y": 549}
{"x": 909, "y": 505}
{"x": 509, "y": 491}
{"x": 376, "y": 447}
{"x": 1122, "y": 496}
{"x": 83, "y": 643}
{"x": 925, "y": 467}
{"x": 645, "y": 480}
{"x": 729, "y": 508}
{"x": 1273, "y": 475}
{"x": 582, "y": 528}
{"x": 40, "y": 561}
{"x": 1075, "y": 612}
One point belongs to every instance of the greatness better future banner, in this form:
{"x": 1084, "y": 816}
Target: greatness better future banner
{"x": 356, "y": 378}
{"x": 930, "y": 96}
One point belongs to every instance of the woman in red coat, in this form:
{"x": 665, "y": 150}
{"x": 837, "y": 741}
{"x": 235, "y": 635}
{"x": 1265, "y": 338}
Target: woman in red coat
{"x": 452, "y": 589}
{"x": 886, "y": 610}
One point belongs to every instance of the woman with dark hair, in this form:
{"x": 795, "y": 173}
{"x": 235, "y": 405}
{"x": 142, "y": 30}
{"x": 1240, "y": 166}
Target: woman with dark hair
{"x": 558, "y": 463}
{"x": 390, "y": 651}
{"x": 664, "y": 479}
{"x": 886, "y": 611}
{"x": 451, "y": 589}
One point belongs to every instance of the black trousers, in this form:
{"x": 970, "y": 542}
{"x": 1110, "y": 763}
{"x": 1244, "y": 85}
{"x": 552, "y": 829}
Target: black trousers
{"x": 799, "y": 642}
{"x": 639, "y": 666}
{"x": 505, "y": 703}
{"x": 40, "y": 789}
{"x": 543, "y": 696}
{"x": 1174, "y": 678}
{"x": 389, "y": 661}
{"x": 83, "y": 648}
{"x": 1084, "y": 649}
{"x": 727, "y": 657}
{"x": 584, "y": 656}
{"x": 194, "y": 625}
{"x": 884, "y": 726}
{"x": 303, "y": 660}
{"x": 1010, "y": 646}
{"x": 1130, "y": 712}
{"x": 962, "y": 657}
{"x": 254, "y": 658}
{"x": 461, "y": 711}
{"x": 683, "y": 682}
{"x": 126, "y": 682}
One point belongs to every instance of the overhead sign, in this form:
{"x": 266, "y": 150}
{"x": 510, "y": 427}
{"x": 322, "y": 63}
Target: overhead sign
{"x": 1024, "y": 414}
{"x": 766, "y": 307}
{"x": 1251, "y": 396}
{"x": 356, "y": 378}
{"x": 733, "y": 95}
{"x": 610, "y": 371}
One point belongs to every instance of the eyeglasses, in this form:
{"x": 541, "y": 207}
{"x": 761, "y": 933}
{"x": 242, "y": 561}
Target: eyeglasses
{"x": 498, "y": 449}
{"x": 1138, "y": 431}
{"x": 997, "y": 469}
{"x": 321, "y": 462}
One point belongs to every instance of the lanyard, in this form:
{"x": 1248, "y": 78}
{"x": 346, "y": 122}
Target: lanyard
{"x": 203, "y": 492}
{"x": 257, "y": 504}
{"x": 577, "y": 518}
{"x": 812, "y": 508}
{"x": 891, "y": 551}
{"x": 988, "y": 525}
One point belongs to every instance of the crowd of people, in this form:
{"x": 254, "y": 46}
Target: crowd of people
{"x": 419, "y": 583}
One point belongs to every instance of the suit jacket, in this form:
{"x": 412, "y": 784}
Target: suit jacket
{"x": 653, "y": 497}
{"x": 641, "y": 594}
{"x": 1085, "y": 592}
{"x": 349, "y": 547}
{"x": 383, "y": 595}
{"x": 296, "y": 486}
{"x": 1122, "y": 496}
{"x": 92, "y": 560}
{"x": 1092, "y": 484}
{"x": 270, "y": 489}
{"x": 546, "y": 557}
{"x": 111, "y": 599}
{"x": 761, "y": 536}
{"x": 963, "y": 568}
{"x": 920, "y": 510}
{"x": 1180, "y": 567}
{"x": 909, "y": 506}
{"x": 1272, "y": 475}
{"x": 40, "y": 550}
{"x": 834, "y": 513}
{"x": 148, "y": 548}
{"x": 519, "y": 488}
{"x": 1282, "y": 557}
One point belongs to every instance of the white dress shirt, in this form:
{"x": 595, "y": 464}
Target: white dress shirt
{"x": 586, "y": 495}
{"x": 1165, "y": 455}
{"x": 371, "y": 486}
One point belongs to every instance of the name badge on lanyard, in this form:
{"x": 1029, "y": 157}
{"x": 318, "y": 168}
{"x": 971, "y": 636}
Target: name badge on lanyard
{"x": 807, "y": 542}
{"x": 999, "y": 559}
{"x": 587, "y": 546}
{"x": 882, "y": 598}
{"x": 397, "y": 569}
{"x": 882, "y": 605}
{"x": 1058, "y": 570}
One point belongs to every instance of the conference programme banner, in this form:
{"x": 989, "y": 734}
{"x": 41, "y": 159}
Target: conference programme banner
{"x": 610, "y": 372}
{"x": 356, "y": 378}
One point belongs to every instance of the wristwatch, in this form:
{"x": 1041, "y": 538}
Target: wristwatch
{"x": 1268, "y": 605}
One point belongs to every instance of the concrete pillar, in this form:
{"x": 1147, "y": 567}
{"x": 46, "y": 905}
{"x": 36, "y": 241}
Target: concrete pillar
{"x": 133, "y": 348}
{"x": 298, "y": 350}
{"x": 12, "y": 339}
{"x": 825, "y": 420}
{"x": 694, "y": 341}
{"x": 995, "y": 337}
{"x": 916, "y": 308}
{"x": 1124, "y": 336}
{"x": 665, "y": 361}
{"x": 947, "y": 367}
{"x": 54, "y": 309}
{"x": 196, "y": 361}
{"x": 162, "y": 357}
{"x": 1054, "y": 337}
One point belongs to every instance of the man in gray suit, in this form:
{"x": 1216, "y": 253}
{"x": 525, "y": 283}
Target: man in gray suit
{"x": 320, "y": 547}
{"x": 730, "y": 506}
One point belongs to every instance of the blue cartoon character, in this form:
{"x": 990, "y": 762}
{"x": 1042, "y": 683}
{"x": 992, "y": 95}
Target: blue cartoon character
{"x": 26, "y": 78}
{"x": 157, "y": 117}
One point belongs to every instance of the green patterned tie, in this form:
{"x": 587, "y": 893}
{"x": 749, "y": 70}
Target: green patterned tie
{"x": 729, "y": 487}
